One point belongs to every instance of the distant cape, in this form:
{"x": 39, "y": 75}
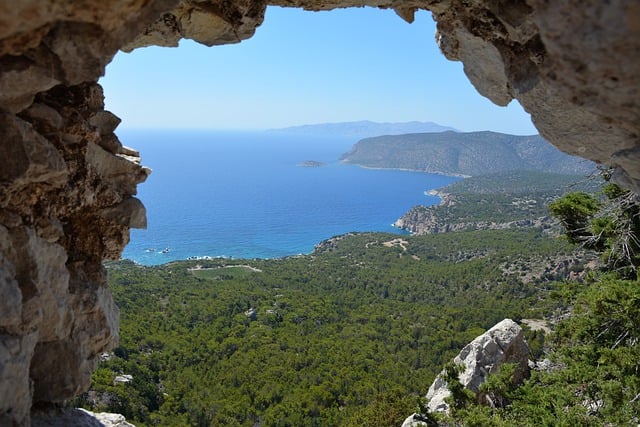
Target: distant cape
{"x": 363, "y": 129}
{"x": 466, "y": 154}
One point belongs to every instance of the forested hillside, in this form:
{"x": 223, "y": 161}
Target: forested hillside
{"x": 354, "y": 333}
{"x": 520, "y": 182}
{"x": 469, "y": 154}
{"x": 512, "y": 199}
{"x": 589, "y": 375}
{"x": 350, "y": 335}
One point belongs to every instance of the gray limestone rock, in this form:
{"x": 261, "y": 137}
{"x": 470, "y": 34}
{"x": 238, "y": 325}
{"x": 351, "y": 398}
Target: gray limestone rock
{"x": 503, "y": 343}
{"x": 415, "y": 420}
{"x": 78, "y": 418}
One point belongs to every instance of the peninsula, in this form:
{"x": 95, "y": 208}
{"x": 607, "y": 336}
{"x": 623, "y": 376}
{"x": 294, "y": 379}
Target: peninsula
{"x": 464, "y": 154}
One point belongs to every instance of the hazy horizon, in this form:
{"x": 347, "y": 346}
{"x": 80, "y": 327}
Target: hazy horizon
{"x": 125, "y": 127}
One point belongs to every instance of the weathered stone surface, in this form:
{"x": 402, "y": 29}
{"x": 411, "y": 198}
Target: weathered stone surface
{"x": 207, "y": 22}
{"x": 17, "y": 74}
{"x": 65, "y": 205}
{"x": 104, "y": 121}
{"x": 130, "y": 213}
{"x": 503, "y": 343}
{"x": 415, "y": 420}
{"x": 16, "y": 352}
{"x": 51, "y": 279}
{"x": 10, "y": 295}
{"x": 78, "y": 418}
{"x": 67, "y": 184}
{"x": 119, "y": 171}
{"x": 49, "y": 119}
{"x": 26, "y": 156}
{"x": 62, "y": 368}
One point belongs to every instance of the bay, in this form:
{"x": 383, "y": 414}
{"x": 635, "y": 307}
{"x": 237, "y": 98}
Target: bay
{"x": 245, "y": 195}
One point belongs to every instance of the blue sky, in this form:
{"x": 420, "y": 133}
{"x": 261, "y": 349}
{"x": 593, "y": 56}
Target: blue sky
{"x": 303, "y": 68}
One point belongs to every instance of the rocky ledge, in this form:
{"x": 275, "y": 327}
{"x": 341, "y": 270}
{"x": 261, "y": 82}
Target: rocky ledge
{"x": 439, "y": 218}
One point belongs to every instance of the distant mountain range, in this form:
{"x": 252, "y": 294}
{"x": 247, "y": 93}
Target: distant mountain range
{"x": 364, "y": 129}
{"x": 467, "y": 154}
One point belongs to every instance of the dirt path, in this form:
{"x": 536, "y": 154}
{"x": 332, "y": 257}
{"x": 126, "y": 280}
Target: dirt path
{"x": 537, "y": 325}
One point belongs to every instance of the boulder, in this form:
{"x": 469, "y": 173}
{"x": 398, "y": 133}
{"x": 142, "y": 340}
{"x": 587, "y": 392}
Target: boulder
{"x": 503, "y": 343}
{"x": 78, "y": 418}
{"x": 415, "y": 420}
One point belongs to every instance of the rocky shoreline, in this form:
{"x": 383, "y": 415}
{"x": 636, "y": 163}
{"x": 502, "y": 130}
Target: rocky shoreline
{"x": 421, "y": 220}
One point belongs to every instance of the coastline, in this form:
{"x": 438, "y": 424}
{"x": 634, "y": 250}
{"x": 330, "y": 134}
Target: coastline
{"x": 437, "y": 193}
{"x": 262, "y": 209}
{"x": 445, "y": 198}
{"x": 453, "y": 175}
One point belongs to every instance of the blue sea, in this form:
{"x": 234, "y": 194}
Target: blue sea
{"x": 244, "y": 195}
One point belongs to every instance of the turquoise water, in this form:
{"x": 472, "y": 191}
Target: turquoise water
{"x": 243, "y": 195}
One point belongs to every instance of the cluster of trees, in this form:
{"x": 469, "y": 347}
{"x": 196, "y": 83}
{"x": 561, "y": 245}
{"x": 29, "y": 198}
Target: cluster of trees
{"x": 595, "y": 352}
{"x": 609, "y": 224}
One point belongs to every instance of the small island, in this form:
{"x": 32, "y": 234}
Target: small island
{"x": 311, "y": 164}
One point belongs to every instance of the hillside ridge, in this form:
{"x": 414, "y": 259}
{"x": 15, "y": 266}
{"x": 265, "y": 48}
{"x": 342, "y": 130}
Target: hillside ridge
{"x": 464, "y": 154}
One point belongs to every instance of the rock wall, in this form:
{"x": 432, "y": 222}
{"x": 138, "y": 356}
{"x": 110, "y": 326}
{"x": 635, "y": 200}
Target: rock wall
{"x": 66, "y": 203}
{"x": 421, "y": 220}
{"x": 67, "y": 185}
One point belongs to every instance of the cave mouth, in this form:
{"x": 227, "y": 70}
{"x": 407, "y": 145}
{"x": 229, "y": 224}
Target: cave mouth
{"x": 67, "y": 199}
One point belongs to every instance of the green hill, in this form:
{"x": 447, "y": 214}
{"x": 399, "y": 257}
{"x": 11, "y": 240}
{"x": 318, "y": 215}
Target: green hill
{"x": 524, "y": 182}
{"x": 467, "y": 154}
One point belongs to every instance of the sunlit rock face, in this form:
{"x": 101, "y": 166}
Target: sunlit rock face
{"x": 503, "y": 343}
{"x": 482, "y": 357}
{"x": 67, "y": 185}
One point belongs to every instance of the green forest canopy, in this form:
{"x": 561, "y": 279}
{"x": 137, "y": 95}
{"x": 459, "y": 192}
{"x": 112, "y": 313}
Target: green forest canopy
{"x": 353, "y": 334}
